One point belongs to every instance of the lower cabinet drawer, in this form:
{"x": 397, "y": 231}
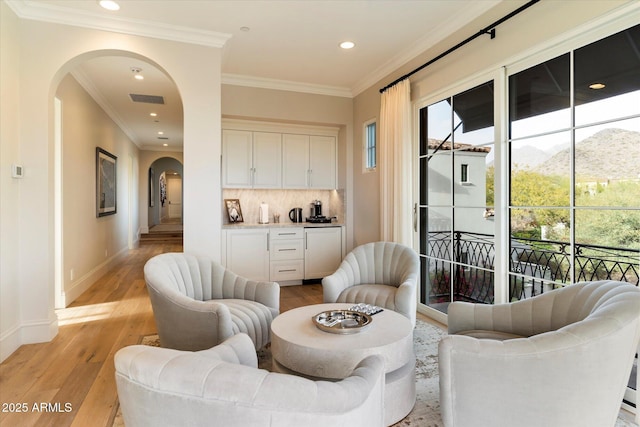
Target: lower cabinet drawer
{"x": 287, "y": 270}
{"x": 286, "y": 249}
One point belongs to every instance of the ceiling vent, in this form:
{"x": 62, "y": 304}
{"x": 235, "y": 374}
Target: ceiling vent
{"x": 163, "y": 137}
{"x": 147, "y": 99}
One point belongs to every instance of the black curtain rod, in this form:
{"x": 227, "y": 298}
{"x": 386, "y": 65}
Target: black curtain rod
{"x": 491, "y": 30}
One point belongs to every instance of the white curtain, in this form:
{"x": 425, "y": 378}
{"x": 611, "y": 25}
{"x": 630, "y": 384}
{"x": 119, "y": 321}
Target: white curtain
{"x": 396, "y": 216}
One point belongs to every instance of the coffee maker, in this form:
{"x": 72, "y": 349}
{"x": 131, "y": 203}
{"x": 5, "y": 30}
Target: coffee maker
{"x": 316, "y": 213}
{"x": 316, "y": 209}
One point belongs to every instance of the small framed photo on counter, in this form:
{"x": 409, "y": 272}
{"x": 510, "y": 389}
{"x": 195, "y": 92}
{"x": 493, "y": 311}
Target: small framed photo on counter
{"x": 233, "y": 210}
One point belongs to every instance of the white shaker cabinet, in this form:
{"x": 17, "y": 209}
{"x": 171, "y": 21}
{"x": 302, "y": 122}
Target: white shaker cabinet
{"x": 237, "y": 159}
{"x": 286, "y": 254}
{"x": 295, "y": 165}
{"x": 267, "y": 160}
{"x": 322, "y": 162}
{"x": 309, "y": 161}
{"x": 323, "y": 251}
{"x": 251, "y": 159}
{"x": 247, "y": 253}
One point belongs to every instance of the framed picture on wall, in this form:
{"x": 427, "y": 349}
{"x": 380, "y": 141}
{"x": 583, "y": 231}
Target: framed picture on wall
{"x": 233, "y": 210}
{"x": 105, "y": 182}
{"x": 151, "y": 188}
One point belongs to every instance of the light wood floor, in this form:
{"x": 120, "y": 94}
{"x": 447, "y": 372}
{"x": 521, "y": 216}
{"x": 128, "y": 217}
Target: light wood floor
{"x": 75, "y": 370}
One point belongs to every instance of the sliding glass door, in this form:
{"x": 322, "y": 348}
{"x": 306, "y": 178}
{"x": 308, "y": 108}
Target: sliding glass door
{"x": 455, "y": 209}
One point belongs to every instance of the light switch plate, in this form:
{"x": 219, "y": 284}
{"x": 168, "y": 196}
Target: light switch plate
{"x": 17, "y": 171}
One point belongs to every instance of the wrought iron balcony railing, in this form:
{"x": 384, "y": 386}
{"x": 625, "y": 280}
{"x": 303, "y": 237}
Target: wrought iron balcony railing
{"x": 461, "y": 266}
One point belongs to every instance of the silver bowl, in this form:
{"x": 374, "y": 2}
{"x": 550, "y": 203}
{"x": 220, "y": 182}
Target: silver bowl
{"x": 341, "y": 321}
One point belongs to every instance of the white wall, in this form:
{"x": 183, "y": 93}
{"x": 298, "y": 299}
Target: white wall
{"x": 10, "y": 291}
{"x": 366, "y": 185}
{"x": 91, "y": 244}
{"x": 39, "y": 55}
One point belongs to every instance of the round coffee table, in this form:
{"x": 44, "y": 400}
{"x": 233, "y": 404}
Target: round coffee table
{"x": 299, "y": 347}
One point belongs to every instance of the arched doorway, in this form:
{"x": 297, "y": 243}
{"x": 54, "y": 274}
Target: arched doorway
{"x": 165, "y": 192}
{"x": 89, "y": 115}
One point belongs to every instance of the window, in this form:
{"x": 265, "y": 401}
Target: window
{"x": 464, "y": 173}
{"x": 370, "y": 146}
{"x": 567, "y": 173}
{"x": 574, "y": 133}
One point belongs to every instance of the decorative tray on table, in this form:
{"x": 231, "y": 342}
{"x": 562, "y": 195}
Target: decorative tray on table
{"x": 341, "y": 321}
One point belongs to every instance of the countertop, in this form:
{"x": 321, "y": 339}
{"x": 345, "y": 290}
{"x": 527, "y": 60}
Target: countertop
{"x": 287, "y": 224}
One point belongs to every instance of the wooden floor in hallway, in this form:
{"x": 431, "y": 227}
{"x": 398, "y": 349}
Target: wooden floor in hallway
{"x": 70, "y": 380}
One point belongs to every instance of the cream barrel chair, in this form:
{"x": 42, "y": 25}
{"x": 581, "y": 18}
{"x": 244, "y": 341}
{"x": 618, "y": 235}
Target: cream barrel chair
{"x": 379, "y": 273}
{"x": 223, "y": 387}
{"x": 197, "y": 303}
{"x": 562, "y": 358}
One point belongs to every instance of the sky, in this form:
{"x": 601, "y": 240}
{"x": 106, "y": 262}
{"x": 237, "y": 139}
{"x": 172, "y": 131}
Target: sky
{"x": 525, "y": 130}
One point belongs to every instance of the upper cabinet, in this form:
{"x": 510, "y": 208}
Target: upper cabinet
{"x": 251, "y": 159}
{"x": 309, "y": 161}
{"x": 270, "y": 155}
{"x": 322, "y": 162}
{"x": 295, "y": 164}
{"x": 237, "y": 160}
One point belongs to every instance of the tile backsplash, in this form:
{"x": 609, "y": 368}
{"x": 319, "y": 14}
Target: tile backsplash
{"x": 282, "y": 201}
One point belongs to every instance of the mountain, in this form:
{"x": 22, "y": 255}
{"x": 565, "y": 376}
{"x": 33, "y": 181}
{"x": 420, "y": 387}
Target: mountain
{"x": 610, "y": 153}
{"x": 528, "y": 157}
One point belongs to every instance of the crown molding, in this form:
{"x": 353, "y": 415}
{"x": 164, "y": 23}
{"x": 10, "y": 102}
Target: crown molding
{"x": 28, "y": 9}
{"x": 278, "y": 127}
{"x": 265, "y": 83}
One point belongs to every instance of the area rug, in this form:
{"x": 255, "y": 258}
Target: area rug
{"x": 426, "y": 412}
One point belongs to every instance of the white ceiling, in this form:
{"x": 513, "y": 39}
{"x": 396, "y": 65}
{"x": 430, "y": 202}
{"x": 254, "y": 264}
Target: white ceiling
{"x": 291, "y": 45}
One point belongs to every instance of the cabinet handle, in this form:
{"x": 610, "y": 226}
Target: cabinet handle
{"x": 287, "y": 271}
{"x": 267, "y": 242}
{"x": 306, "y": 240}
{"x": 286, "y": 234}
{"x": 284, "y": 250}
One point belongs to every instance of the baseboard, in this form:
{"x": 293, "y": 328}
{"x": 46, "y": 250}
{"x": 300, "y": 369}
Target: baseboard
{"x": 9, "y": 342}
{"x": 436, "y": 315}
{"x": 86, "y": 281}
{"x": 27, "y": 333}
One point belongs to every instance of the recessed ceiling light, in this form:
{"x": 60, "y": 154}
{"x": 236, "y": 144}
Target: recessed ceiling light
{"x": 165, "y": 145}
{"x": 160, "y": 133}
{"x": 245, "y": 29}
{"x": 109, "y": 4}
{"x": 597, "y": 86}
{"x": 347, "y": 45}
{"x": 153, "y": 114}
